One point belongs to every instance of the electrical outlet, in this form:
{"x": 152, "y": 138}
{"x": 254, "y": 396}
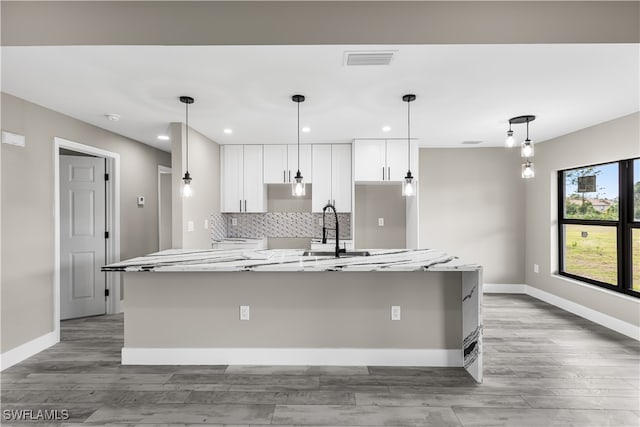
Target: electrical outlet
{"x": 206, "y": 224}
{"x": 189, "y": 225}
{"x": 380, "y": 222}
{"x": 244, "y": 312}
{"x": 536, "y": 268}
{"x": 395, "y": 312}
{"x": 234, "y": 221}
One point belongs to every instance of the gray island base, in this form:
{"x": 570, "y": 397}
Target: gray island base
{"x": 183, "y": 307}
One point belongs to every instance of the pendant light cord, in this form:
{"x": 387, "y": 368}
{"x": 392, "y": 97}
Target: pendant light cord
{"x": 409, "y": 135}
{"x": 527, "y": 130}
{"x": 298, "y": 136}
{"x": 186, "y": 106}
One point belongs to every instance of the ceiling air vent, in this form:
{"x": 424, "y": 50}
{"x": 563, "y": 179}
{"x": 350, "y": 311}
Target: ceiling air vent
{"x": 471, "y": 142}
{"x": 368, "y": 58}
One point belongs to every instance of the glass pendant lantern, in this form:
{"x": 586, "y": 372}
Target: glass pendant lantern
{"x": 298, "y": 185}
{"x": 408, "y": 183}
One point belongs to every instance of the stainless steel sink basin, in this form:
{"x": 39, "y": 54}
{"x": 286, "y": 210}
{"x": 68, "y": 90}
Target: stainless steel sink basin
{"x": 333, "y": 253}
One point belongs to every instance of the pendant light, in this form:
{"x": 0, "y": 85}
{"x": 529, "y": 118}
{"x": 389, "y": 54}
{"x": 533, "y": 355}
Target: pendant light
{"x": 510, "y": 141}
{"x": 297, "y": 186}
{"x": 186, "y": 189}
{"x": 526, "y": 149}
{"x": 408, "y": 185}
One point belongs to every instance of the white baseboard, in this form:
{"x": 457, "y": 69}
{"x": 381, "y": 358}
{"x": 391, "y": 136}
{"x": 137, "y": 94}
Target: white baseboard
{"x": 595, "y": 316}
{"x": 291, "y": 356}
{"x": 504, "y": 288}
{"x": 26, "y": 350}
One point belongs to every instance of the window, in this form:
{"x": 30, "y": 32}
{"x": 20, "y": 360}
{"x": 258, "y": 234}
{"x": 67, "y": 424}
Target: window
{"x": 599, "y": 225}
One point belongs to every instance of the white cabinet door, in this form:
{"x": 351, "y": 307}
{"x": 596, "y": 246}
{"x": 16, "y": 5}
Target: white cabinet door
{"x": 275, "y": 164}
{"x": 231, "y": 160}
{"x": 321, "y": 172}
{"x": 369, "y": 160}
{"x": 341, "y": 177}
{"x": 305, "y": 162}
{"x": 397, "y": 159}
{"x": 253, "y": 185}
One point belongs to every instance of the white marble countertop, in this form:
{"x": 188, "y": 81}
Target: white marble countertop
{"x": 281, "y": 260}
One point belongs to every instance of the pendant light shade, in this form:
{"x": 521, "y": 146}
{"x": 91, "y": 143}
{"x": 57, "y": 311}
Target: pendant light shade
{"x": 527, "y": 149}
{"x": 510, "y": 141}
{"x": 527, "y": 170}
{"x": 186, "y": 188}
{"x": 408, "y": 184}
{"x": 297, "y": 186}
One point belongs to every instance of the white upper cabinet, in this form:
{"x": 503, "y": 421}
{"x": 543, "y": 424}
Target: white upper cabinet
{"x": 242, "y": 188}
{"x": 281, "y": 163}
{"x": 331, "y": 173}
{"x": 397, "y": 158}
{"x": 379, "y": 160}
{"x": 369, "y": 160}
{"x": 275, "y": 164}
{"x": 305, "y": 162}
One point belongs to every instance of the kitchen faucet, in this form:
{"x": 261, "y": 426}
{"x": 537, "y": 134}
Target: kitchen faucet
{"x": 324, "y": 229}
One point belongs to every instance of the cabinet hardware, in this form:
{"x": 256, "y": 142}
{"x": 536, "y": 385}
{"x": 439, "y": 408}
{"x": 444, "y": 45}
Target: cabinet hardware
{"x": 289, "y": 176}
{"x": 383, "y": 173}
{"x": 245, "y": 205}
{"x": 240, "y": 205}
{"x": 389, "y": 173}
{"x": 284, "y": 175}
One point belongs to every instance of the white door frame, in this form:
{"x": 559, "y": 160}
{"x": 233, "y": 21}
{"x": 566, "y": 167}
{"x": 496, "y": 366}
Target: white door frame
{"x": 161, "y": 170}
{"x": 112, "y": 221}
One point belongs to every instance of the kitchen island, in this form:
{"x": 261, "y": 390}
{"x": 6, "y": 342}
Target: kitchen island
{"x": 185, "y": 306}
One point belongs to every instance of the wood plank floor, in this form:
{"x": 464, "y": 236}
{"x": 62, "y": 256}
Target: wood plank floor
{"x": 543, "y": 367}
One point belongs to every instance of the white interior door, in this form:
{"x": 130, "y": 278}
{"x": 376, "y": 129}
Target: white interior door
{"x": 82, "y": 239}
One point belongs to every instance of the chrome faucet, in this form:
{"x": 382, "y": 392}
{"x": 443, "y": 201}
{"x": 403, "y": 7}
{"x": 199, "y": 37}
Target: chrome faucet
{"x": 324, "y": 229}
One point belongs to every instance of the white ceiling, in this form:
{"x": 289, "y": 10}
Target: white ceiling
{"x": 464, "y": 92}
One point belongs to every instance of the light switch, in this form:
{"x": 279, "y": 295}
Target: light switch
{"x": 140, "y": 200}
{"x": 395, "y": 312}
{"x": 536, "y": 268}
{"x": 244, "y": 312}
{"x": 189, "y": 225}
{"x": 380, "y": 222}
{"x": 13, "y": 139}
{"x": 206, "y": 224}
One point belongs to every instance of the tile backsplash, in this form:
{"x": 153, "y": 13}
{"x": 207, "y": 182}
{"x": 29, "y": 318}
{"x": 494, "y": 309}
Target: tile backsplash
{"x": 276, "y": 224}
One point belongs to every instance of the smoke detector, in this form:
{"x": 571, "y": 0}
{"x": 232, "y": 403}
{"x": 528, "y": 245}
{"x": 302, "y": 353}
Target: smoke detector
{"x": 112, "y": 117}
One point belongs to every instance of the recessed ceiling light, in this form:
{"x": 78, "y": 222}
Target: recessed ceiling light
{"x": 228, "y": 131}
{"x": 386, "y": 128}
{"x": 113, "y": 117}
{"x": 306, "y": 129}
{"x": 163, "y": 137}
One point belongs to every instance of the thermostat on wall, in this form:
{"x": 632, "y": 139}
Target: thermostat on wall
{"x": 13, "y": 139}
{"x": 140, "y": 200}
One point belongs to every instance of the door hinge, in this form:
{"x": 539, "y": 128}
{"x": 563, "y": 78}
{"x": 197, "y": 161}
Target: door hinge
{"x": 106, "y": 177}
{"x": 106, "y": 234}
{"x": 106, "y": 292}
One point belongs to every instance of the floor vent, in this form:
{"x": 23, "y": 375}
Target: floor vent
{"x": 368, "y": 58}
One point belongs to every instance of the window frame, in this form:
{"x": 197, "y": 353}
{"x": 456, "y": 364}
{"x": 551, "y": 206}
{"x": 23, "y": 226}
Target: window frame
{"x": 624, "y": 227}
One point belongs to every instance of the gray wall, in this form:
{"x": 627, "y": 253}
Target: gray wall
{"x": 351, "y": 22}
{"x": 204, "y": 168}
{"x": 27, "y": 210}
{"x": 294, "y": 310}
{"x": 614, "y": 140}
{"x": 379, "y": 201}
{"x": 166, "y": 201}
{"x": 472, "y": 204}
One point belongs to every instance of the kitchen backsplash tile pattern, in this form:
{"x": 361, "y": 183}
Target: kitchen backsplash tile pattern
{"x": 276, "y": 224}
{"x": 218, "y": 226}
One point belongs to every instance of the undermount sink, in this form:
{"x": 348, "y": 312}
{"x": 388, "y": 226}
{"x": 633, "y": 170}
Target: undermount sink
{"x": 333, "y": 253}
